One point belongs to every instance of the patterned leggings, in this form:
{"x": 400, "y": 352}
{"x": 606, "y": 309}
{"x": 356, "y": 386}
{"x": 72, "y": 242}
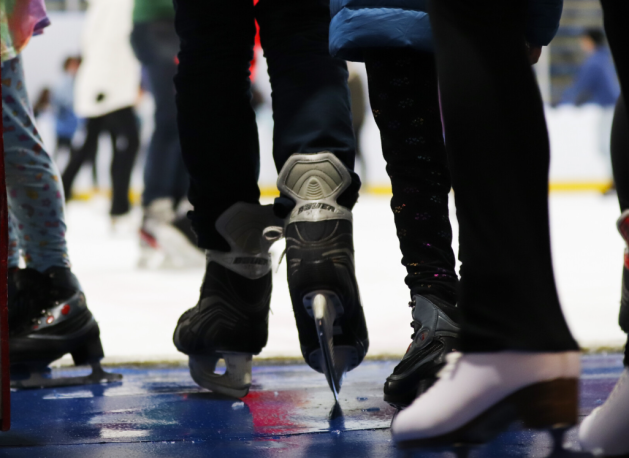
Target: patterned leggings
{"x": 35, "y": 195}
{"x": 403, "y": 92}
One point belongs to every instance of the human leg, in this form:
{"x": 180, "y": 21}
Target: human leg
{"x": 404, "y": 99}
{"x": 220, "y": 147}
{"x": 604, "y": 431}
{"x": 87, "y": 152}
{"x": 156, "y": 45}
{"x": 34, "y": 190}
{"x": 217, "y": 126}
{"x": 166, "y": 239}
{"x": 498, "y": 153}
{"x": 125, "y": 143}
{"x": 48, "y": 314}
{"x": 314, "y": 152}
{"x": 618, "y": 37}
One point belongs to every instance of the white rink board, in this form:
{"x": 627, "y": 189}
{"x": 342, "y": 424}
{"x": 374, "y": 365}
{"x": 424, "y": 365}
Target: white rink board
{"x": 137, "y": 310}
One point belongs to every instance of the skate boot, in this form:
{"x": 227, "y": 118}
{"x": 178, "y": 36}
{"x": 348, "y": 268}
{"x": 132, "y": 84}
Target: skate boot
{"x": 49, "y": 318}
{"x": 167, "y": 241}
{"x": 320, "y": 257}
{"x": 604, "y": 431}
{"x": 436, "y": 335}
{"x": 230, "y": 321}
{"x": 478, "y": 395}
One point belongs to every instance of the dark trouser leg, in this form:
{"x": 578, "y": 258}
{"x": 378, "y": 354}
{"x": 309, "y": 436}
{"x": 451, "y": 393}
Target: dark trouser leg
{"x": 311, "y": 106}
{"x": 217, "y": 125}
{"x": 126, "y": 142}
{"x": 498, "y": 152}
{"x": 404, "y": 97}
{"x": 615, "y": 13}
{"x": 620, "y": 165}
{"x": 156, "y": 45}
{"x": 620, "y": 152}
{"x": 78, "y": 157}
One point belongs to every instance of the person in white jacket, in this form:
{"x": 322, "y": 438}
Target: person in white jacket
{"x": 107, "y": 88}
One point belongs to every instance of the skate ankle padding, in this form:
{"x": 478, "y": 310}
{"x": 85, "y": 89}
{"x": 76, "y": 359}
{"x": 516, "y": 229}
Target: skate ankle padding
{"x": 433, "y": 321}
{"x": 315, "y": 182}
{"x": 242, "y": 225}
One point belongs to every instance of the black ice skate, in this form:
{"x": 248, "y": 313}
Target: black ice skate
{"x": 49, "y": 318}
{"x": 230, "y": 321}
{"x": 320, "y": 256}
{"x": 436, "y": 335}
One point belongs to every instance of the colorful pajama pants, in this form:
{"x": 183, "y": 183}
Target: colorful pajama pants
{"x": 35, "y": 195}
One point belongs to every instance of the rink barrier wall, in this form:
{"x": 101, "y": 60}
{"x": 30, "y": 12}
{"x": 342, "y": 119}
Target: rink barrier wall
{"x": 267, "y": 191}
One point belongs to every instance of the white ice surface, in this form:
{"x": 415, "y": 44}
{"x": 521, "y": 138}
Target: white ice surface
{"x": 138, "y": 309}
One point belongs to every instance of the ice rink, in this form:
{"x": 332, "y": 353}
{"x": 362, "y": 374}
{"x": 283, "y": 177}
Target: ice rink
{"x": 138, "y": 309}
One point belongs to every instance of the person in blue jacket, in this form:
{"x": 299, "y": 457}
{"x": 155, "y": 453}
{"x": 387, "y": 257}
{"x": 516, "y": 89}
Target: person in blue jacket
{"x": 596, "y": 80}
{"x": 498, "y": 162}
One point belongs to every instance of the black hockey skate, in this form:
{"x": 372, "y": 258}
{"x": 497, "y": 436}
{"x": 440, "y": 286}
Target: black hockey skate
{"x": 230, "y": 321}
{"x": 320, "y": 256}
{"x": 436, "y": 335}
{"x": 49, "y": 318}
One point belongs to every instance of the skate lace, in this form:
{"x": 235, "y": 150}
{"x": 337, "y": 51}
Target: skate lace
{"x": 452, "y": 360}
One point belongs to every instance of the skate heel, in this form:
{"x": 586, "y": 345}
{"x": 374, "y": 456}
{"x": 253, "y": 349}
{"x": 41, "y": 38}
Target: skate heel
{"x": 91, "y": 351}
{"x": 549, "y": 405}
{"x": 236, "y": 380}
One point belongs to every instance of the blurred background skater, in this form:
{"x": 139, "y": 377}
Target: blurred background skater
{"x": 166, "y": 236}
{"x": 596, "y": 81}
{"x": 48, "y": 314}
{"x": 604, "y": 432}
{"x": 404, "y": 97}
{"x": 496, "y": 138}
{"x": 62, "y": 103}
{"x": 313, "y": 148}
{"x": 596, "y": 84}
{"x": 107, "y": 88}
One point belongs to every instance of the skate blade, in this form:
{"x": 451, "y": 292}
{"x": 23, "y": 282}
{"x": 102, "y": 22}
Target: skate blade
{"x": 38, "y": 380}
{"x": 236, "y": 380}
{"x": 334, "y": 362}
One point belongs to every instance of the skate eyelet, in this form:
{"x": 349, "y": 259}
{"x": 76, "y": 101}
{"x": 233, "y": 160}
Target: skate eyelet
{"x": 50, "y": 319}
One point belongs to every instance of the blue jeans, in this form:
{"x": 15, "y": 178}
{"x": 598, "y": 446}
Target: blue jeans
{"x": 219, "y": 137}
{"x": 156, "y": 46}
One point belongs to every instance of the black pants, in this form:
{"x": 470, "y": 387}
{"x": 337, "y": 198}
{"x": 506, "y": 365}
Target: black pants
{"x": 618, "y": 37}
{"x": 404, "y": 96}
{"x": 156, "y": 45}
{"x": 498, "y": 152}
{"x": 217, "y": 125}
{"x": 122, "y": 126}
